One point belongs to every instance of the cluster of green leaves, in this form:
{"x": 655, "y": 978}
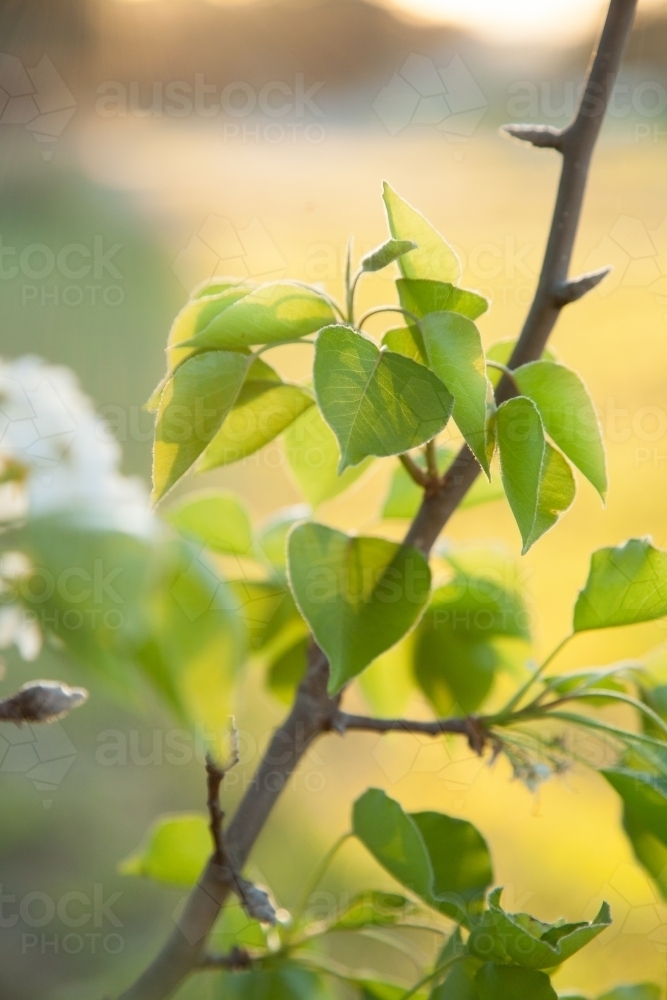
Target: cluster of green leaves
{"x": 444, "y": 868}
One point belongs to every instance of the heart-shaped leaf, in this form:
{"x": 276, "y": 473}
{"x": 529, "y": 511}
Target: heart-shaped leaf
{"x": 386, "y": 254}
{"x": 376, "y": 402}
{"x": 538, "y": 481}
{"x": 275, "y": 312}
{"x": 434, "y": 258}
{"x": 445, "y": 861}
{"x": 568, "y": 416}
{"x": 626, "y": 585}
{"x": 193, "y": 406}
{"x": 455, "y": 354}
{"x": 359, "y": 595}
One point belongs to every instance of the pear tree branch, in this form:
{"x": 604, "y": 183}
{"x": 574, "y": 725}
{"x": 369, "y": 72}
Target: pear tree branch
{"x": 314, "y": 712}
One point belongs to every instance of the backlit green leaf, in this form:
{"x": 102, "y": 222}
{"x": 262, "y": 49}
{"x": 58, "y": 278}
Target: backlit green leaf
{"x": 175, "y": 850}
{"x": 537, "y": 480}
{"x": 376, "y": 402}
{"x": 568, "y": 416}
{"x": 460, "y": 982}
{"x": 272, "y": 313}
{"x": 625, "y": 585}
{"x": 195, "y": 317}
{"x": 386, "y": 254}
{"x": 216, "y": 518}
{"x": 423, "y": 297}
{"x": 313, "y": 455}
{"x": 519, "y": 939}
{"x": 286, "y": 670}
{"x": 359, "y": 595}
{"x": 406, "y": 340}
{"x": 455, "y": 354}
{"x": 261, "y": 412}
{"x": 434, "y": 259}
{"x": 193, "y": 406}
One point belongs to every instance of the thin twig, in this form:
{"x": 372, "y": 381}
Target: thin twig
{"x": 432, "y": 461}
{"x": 237, "y": 960}
{"x": 420, "y": 477}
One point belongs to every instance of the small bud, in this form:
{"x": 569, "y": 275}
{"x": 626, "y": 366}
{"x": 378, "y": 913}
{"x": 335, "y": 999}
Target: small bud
{"x": 255, "y": 901}
{"x": 41, "y": 701}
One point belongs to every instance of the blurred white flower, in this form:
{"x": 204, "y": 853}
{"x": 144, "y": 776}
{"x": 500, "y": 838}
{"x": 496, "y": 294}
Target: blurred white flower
{"x": 59, "y": 456}
{"x": 19, "y": 627}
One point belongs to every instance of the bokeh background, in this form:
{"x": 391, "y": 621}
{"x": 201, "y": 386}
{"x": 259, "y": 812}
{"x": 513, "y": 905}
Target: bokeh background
{"x": 166, "y": 141}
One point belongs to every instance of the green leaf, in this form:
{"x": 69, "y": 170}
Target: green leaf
{"x": 408, "y": 341}
{"x": 312, "y": 452}
{"x": 193, "y": 406}
{"x": 538, "y": 482}
{"x": 386, "y": 254}
{"x": 455, "y": 354}
{"x": 372, "y": 909}
{"x": 394, "y": 840}
{"x": 644, "y": 799}
{"x": 460, "y": 861}
{"x": 456, "y": 655}
{"x": 444, "y": 861}
{"x": 175, "y": 850}
{"x": 405, "y": 496}
{"x": 460, "y": 982}
{"x": 267, "y": 609}
{"x": 434, "y": 259}
{"x": 359, "y": 595}
{"x": 509, "y": 982}
{"x": 519, "y": 939}
{"x": 642, "y": 991}
{"x": 262, "y": 411}
{"x": 376, "y": 402}
{"x": 626, "y": 585}
{"x": 275, "y": 312}
{"x": 422, "y": 297}
{"x": 502, "y": 351}
{"x": 196, "y": 315}
{"x": 272, "y": 537}
{"x": 374, "y": 989}
{"x": 286, "y": 980}
{"x": 216, "y": 519}
{"x": 568, "y": 416}
{"x": 218, "y": 284}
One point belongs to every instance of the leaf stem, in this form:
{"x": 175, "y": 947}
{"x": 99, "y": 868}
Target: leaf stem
{"x": 516, "y": 698}
{"x": 505, "y": 370}
{"x": 384, "y": 309}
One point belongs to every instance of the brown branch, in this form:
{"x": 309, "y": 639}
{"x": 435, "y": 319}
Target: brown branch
{"x": 576, "y": 144}
{"x": 237, "y": 960}
{"x": 470, "y": 727}
{"x": 313, "y": 712}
